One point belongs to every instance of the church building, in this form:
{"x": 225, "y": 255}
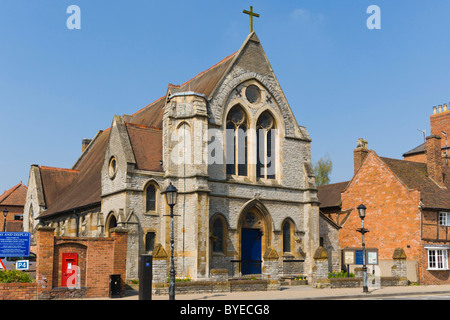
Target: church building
{"x": 229, "y": 142}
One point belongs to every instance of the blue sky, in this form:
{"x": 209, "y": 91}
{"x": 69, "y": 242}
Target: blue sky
{"x": 342, "y": 80}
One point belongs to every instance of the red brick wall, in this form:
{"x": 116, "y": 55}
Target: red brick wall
{"x": 431, "y": 277}
{"x": 18, "y": 291}
{"x": 98, "y": 258}
{"x": 440, "y": 122}
{"x": 11, "y": 224}
{"x": 421, "y": 157}
{"x": 392, "y": 215}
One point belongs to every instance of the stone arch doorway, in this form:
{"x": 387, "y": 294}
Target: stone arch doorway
{"x": 255, "y": 231}
{"x": 111, "y": 223}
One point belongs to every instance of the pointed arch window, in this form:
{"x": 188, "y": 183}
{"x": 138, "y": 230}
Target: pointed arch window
{"x": 150, "y": 198}
{"x": 265, "y": 153}
{"x": 287, "y": 237}
{"x": 219, "y": 234}
{"x": 236, "y": 135}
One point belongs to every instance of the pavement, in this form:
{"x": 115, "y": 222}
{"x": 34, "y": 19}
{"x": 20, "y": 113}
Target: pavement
{"x": 306, "y": 292}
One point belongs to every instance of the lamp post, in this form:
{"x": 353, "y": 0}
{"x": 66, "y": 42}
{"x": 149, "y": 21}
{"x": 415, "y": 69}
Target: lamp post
{"x": 5, "y": 213}
{"x": 171, "y": 197}
{"x": 362, "y": 214}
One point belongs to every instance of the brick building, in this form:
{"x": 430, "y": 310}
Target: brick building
{"x": 407, "y": 206}
{"x": 13, "y": 200}
{"x": 440, "y": 126}
{"x": 236, "y": 210}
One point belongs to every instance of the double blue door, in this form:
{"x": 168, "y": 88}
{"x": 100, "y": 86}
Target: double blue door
{"x": 251, "y": 251}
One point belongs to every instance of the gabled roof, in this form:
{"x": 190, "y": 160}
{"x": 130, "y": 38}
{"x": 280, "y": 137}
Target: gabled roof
{"x": 205, "y": 82}
{"x": 67, "y": 189}
{"x": 146, "y": 143}
{"x": 55, "y": 181}
{"x": 419, "y": 149}
{"x": 14, "y": 196}
{"x": 85, "y": 190}
{"x": 415, "y": 176}
{"x": 330, "y": 195}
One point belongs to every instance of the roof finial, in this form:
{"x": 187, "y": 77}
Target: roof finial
{"x": 251, "y": 14}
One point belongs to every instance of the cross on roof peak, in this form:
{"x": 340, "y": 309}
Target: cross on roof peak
{"x": 251, "y": 14}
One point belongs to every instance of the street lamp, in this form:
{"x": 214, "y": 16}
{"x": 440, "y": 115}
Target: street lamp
{"x": 171, "y": 197}
{"x": 5, "y": 213}
{"x": 362, "y": 214}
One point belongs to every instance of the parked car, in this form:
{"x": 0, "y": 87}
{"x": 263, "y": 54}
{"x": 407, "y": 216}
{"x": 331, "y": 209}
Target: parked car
{"x": 10, "y": 262}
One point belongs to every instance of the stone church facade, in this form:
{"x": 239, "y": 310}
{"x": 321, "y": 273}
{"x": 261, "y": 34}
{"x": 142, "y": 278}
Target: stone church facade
{"x": 229, "y": 142}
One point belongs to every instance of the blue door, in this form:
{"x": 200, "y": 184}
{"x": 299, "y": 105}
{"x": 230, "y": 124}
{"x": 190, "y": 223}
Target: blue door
{"x": 251, "y": 251}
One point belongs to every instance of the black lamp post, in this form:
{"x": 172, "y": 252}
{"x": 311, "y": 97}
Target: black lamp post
{"x": 5, "y": 213}
{"x": 171, "y": 197}
{"x": 362, "y": 215}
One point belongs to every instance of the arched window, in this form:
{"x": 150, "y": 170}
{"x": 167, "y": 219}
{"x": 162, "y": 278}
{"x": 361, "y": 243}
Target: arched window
{"x": 236, "y": 135}
{"x": 218, "y": 236}
{"x": 265, "y": 153}
{"x": 287, "y": 237}
{"x": 110, "y": 224}
{"x": 150, "y": 198}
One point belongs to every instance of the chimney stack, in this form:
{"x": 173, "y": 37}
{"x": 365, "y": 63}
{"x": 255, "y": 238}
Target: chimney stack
{"x": 360, "y": 153}
{"x": 84, "y": 144}
{"x": 434, "y": 159}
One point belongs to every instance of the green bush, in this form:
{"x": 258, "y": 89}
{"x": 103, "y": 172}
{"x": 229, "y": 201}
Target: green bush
{"x": 13, "y": 276}
{"x": 340, "y": 274}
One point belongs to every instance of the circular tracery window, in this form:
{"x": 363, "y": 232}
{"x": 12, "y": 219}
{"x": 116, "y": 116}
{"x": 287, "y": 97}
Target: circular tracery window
{"x": 252, "y": 93}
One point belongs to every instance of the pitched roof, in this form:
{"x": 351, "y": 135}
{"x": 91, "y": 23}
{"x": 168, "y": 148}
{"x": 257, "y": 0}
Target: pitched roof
{"x": 85, "y": 190}
{"x": 146, "y": 143}
{"x": 330, "y": 195}
{"x": 55, "y": 181}
{"x": 14, "y": 196}
{"x": 419, "y": 149}
{"x": 415, "y": 176}
{"x": 66, "y": 190}
{"x": 206, "y": 81}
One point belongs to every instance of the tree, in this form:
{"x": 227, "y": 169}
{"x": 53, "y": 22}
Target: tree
{"x": 322, "y": 170}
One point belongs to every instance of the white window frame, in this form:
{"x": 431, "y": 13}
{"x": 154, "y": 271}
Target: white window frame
{"x": 444, "y": 219}
{"x": 437, "y": 258}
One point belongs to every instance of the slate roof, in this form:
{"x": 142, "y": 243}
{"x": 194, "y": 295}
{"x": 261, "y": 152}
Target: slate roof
{"x": 419, "y": 149}
{"x": 14, "y": 196}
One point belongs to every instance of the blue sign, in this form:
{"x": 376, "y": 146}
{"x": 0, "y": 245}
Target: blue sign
{"x": 22, "y": 265}
{"x": 359, "y": 257}
{"x": 14, "y": 244}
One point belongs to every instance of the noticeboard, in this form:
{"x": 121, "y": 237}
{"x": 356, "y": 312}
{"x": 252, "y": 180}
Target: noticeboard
{"x": 359, "y": 257}
{"x": 355, "y": 256}
{"x": 14, "y": 244}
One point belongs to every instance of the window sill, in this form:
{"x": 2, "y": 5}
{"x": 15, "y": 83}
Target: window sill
{"x": 434, "y": 269}
{"x": 151, "y": 214}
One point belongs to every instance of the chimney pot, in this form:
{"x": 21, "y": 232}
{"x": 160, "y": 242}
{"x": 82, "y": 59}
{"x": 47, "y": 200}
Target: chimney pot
{"x": 84, "y": 144}
{"x": 360, "y": 153}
